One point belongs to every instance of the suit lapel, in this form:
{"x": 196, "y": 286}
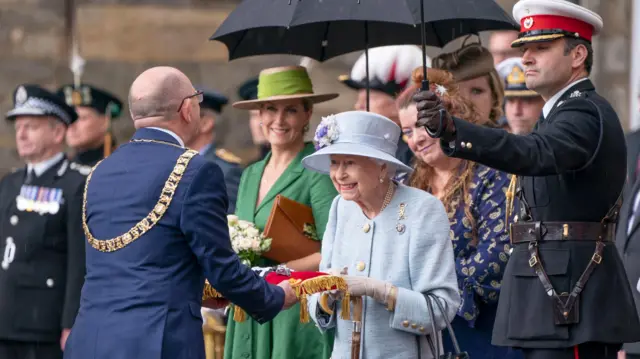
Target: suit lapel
{"x": 290, "y": 175}
{"x": 628, "y": 209}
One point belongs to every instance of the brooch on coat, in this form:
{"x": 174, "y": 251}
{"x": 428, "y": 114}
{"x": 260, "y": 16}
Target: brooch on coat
{"x": 400, "y": 227}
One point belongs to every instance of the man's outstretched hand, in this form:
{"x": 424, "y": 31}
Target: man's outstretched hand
{"x": 430, "y": 109}
{"x": 290, "y": 297}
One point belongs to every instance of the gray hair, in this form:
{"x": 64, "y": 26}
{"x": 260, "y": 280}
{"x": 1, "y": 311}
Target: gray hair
{"x": 391, "y": 168}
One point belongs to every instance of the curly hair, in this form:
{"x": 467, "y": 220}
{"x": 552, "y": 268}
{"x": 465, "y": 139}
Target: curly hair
{"x": 457, "y": 189}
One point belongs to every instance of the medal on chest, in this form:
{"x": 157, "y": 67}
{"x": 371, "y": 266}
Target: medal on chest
{"x": 41, "y": 200}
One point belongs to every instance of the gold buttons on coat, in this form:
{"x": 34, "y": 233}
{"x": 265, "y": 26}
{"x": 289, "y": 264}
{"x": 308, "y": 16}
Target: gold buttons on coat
{"x": 463, "y": 144}
{"x": 421, "y": 329}
{"x": 468, "y": 145}
{"x": 360, "y": 266}
{"x": 366, "y": 228}
{"x": 405, "y": 324}
{"x": 414, "y": 325}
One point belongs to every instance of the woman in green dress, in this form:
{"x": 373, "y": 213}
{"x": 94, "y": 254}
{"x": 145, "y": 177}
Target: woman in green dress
{"x": 285, "y": 101}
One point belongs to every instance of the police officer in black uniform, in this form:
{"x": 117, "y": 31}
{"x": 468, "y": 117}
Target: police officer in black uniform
{"x": 90, "y": 136}
{"x": 205, "y": 142}
{"x": 41, "y": 238}
{"x": 565, "y": 293}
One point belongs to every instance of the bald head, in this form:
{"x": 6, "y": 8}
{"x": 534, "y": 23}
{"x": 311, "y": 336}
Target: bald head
{"x": 157, "y": 93}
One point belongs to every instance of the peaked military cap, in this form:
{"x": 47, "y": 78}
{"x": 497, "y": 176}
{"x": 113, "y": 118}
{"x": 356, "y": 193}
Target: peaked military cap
{"x": 511, "y": 72}
{"x": 547, "y": 20}
{"x": 33, "y": 100}
{"x": 213, "y": 100}
{"x": 249, "y": 89}
{"x": 86, "y": 95}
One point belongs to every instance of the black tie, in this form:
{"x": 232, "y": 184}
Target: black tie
{"x": 30, "y": 176}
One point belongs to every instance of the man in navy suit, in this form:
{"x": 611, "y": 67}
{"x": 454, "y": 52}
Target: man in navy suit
{"x": 155, "y": 222}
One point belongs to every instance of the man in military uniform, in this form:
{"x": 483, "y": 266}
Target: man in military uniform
{"x": 565, "y": 293}
{"x": 155, "y": 222}
{"x": 248, "y": 90}
{"x": 205, "y": 143}
{"x": 41, "y": 237}
{"x": 522, "y": 106}
{"x": 90, "y": 136}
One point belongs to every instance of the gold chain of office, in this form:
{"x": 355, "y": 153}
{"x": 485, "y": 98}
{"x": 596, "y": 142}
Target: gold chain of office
{"x": 114, "y": 244}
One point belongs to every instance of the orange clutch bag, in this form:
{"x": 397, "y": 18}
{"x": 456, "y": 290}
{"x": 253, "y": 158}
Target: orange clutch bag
{"x": 292, "y": 230}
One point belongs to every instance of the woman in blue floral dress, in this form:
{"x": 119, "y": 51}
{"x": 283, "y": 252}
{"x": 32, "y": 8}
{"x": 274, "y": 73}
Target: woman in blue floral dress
{"x": 475, "y": 198}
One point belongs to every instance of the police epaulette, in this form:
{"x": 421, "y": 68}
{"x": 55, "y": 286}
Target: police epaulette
{"x": 228, "y": 156}
{"x": 83, "y": 169}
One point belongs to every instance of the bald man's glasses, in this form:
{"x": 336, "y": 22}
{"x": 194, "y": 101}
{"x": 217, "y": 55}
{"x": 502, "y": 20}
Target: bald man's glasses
{"x": 200, "y": 95}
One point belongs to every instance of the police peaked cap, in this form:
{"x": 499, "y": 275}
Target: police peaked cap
{"x": 86, "y": 95}
{"x": 33, "y": 100}
{"x": 249, "y": 89}
{"x": 511, "y": 72}
{"x": 213, "y": 101}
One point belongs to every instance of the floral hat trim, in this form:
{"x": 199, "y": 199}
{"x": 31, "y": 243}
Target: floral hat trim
{"x": 327, "y": 132}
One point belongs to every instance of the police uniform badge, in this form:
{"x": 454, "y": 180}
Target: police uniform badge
{"x": 21, "y": 95}
{"x": 41, "y": 200}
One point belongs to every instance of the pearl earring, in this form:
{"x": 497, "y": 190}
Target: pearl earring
{"x": 381, "y": 180}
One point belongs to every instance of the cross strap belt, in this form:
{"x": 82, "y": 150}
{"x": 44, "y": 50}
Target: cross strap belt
{"x": 526, "y": 232}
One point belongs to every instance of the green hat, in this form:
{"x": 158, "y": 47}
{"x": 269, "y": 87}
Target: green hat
{"x": 284, "y": 83}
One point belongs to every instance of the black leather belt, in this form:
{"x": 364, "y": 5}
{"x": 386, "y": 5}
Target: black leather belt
{"x": 566, "y": 308}
{"x": 525, "y": 232}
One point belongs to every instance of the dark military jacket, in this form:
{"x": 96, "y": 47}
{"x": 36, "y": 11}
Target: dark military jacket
{"x": 231, "y": 167}
{"x": 42, "y": 253}
{"x": 572, "y": 168}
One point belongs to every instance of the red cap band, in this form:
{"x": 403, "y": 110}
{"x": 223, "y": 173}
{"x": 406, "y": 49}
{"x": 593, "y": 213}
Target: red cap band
{"x": 549, "y": 22}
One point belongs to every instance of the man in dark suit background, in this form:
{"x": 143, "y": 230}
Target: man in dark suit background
{"x": 41, "y": 239}
{"x": 205, "y": 143}
{"x": 155, "y": 222}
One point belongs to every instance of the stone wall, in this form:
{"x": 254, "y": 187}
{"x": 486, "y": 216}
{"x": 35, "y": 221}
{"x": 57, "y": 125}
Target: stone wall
{"x": 121, "y": 38}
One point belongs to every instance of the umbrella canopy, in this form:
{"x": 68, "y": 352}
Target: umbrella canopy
{"x": 323, "y": 29}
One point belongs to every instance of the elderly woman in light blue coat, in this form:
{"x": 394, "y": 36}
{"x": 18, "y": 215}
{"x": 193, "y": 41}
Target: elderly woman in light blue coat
{"x": 390, "y": 242}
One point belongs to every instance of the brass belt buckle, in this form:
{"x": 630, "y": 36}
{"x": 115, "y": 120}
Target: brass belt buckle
{"x": 596, "y": 258}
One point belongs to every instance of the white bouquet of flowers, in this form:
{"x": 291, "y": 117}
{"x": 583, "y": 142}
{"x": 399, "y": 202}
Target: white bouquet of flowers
{"x": 247, "y": 241}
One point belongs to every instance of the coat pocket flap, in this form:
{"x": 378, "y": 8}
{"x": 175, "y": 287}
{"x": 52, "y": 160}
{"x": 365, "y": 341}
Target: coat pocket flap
{"x": 554, "y": 262}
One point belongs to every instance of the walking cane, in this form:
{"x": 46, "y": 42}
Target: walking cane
{"x": 357, "y": 327}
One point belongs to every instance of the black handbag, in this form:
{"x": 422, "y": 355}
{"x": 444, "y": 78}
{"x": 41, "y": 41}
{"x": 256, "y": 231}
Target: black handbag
{"x": 435, "y": 347}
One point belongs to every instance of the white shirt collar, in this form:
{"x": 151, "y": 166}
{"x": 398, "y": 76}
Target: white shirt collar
{"x": 552, "y": 101}
{"x": 41, "y": 167}
{"x": 173, "y": 134}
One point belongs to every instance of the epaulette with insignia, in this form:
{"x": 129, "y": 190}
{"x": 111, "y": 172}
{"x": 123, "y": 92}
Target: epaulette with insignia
{"x": 228, "y": 156}
{"x": 83, "y": 169}
{"x": 575, "y": 94}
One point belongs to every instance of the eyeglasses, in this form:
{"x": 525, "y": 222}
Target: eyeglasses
{"x": 200, "y": 95}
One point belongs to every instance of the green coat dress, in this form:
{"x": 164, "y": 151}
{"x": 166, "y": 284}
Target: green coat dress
{"x": 284, "y": 337}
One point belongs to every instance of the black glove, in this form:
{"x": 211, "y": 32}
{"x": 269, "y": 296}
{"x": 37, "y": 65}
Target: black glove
{"x": 433, "y": 116}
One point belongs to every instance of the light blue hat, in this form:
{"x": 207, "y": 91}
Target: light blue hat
{"x": 357, "y": 133}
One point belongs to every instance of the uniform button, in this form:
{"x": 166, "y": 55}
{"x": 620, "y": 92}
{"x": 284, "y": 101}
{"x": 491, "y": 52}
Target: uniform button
{"x": 405, "y": 324}
{"x": 414, "y": 325}
{"x": 13, "y": 220}
{"x": 50, "y": 283}
{"x": 421, "y": 329}
{"x": 366, "y": 228}
{"x": 5, "y": 265}
{"x": 360, "y": 266}
{"x": 463, "y": 144}
{"x": 469, "y": 145}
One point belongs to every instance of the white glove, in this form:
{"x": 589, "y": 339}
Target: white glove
{"x": 370, "y": 287}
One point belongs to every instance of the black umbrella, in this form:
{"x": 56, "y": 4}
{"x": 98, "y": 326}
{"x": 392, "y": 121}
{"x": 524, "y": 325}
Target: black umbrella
{"x": 323, "y": 29}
